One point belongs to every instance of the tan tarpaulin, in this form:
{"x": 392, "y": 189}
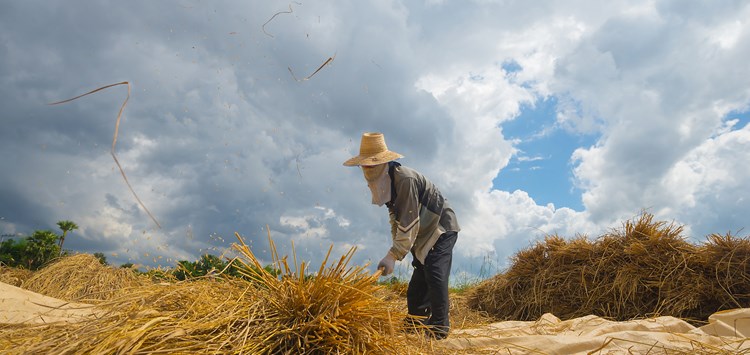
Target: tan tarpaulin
{"x": 726, "y": 332}
{"x": 22, "y": 306}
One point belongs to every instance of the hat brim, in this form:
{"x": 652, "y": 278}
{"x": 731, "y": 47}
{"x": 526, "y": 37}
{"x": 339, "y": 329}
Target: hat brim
{"x": 377, "y": 159}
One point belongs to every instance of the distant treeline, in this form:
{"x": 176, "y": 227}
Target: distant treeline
{"x": 36, "y": 250}
{"x": 43, "y": 246}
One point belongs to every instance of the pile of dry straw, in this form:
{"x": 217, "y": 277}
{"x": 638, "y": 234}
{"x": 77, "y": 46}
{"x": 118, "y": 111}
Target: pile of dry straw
{"x": 82, "y": 278}
{"x": 339, "y": 310}
{"x": 645, "y": 269}
{"x": 14, "y": 276}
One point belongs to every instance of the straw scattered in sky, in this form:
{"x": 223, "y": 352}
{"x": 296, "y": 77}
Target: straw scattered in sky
{"x": 556, "y": 117}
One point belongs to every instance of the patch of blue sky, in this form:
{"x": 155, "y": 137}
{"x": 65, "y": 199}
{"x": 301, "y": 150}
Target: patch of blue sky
{"x": 511, "y": 66}
{"x": 743, "y": 118}
{"x": 542, "y": 164}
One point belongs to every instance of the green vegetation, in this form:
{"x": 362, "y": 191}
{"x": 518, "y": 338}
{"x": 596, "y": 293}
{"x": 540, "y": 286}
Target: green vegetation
{"x": 30, "y": 252}
{"x": 209, "y": 265}
{"x": 12, "y": 252}
{"x": 102, "y": 258}
{"x": 66, "y": 227}
{"x": 36, "y": 250}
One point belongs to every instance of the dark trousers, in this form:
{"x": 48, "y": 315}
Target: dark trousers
{"x": 427, "y": 295}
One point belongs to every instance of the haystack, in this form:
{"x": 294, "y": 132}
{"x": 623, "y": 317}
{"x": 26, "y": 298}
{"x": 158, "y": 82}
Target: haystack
{"x": 725, "y": 261}
{"x": 336, "y": 310}
{"x": 644, "y": 269}
{"x": 82, "y": 278}
{"x": 14, "y": 276}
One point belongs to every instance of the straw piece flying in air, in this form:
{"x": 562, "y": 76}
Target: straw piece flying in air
{"x": 263, "y": 27}
{"x": 328, "y": 61}
{"x": 114, "y": 139}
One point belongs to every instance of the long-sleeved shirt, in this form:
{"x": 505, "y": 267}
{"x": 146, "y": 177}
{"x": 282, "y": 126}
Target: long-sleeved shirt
{"x": 419, "y": 213}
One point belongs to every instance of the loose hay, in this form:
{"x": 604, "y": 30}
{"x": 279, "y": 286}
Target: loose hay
{"x": 14, "y": 276}
{"x": 82, "y": 278}
{"x": 335, "y": 310}
{"x": 645, "y": 269}
{"x": 462, "y": 316}
{"x": 725, "y": 261}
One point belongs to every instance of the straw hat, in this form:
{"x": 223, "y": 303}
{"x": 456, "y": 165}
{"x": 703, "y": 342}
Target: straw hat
{"x": 372, "y": 151}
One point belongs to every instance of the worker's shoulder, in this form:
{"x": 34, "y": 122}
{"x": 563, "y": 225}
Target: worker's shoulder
{"x": 405, "y": 173}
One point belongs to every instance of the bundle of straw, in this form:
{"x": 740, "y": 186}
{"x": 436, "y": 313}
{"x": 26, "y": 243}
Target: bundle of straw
{"x": 653, "y": 271}
{"x": 644, "y": 269}
{"x": 336, "y": 310}
{"x": 82, "y": 278}
{"x": 725, "y": 262}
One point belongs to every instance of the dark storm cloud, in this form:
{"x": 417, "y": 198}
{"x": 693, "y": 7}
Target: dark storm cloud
{"x": 218, "y": 137}
{"x": 217, "y": 134}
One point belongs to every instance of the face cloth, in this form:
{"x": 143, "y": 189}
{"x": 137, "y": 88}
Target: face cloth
{"x": 379, "y": 183}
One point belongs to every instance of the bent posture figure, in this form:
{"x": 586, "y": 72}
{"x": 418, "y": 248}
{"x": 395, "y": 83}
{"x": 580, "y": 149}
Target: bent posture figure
{"x": 422, "y": 222}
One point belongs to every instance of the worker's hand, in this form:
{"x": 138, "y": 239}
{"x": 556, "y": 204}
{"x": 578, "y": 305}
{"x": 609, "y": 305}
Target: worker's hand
{"x": 387, "y": 264}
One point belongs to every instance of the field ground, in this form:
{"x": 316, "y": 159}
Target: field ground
{"x": 473, "y": 334}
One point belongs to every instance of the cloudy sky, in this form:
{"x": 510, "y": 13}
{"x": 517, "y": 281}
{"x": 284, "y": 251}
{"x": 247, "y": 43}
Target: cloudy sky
{"x": 533, "y": 118}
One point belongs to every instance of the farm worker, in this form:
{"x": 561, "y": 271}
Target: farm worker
{"x": 422, "y": 223}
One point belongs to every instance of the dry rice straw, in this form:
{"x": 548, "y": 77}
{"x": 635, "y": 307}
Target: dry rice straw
{"x": 114, "y": 140}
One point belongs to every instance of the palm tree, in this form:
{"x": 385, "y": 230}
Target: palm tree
{"x": 66, "y": 227}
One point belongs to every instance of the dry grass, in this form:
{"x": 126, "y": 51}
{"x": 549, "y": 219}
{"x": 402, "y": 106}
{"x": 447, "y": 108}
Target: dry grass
{"x": 82, "y": 278}
{"x": 463, "y": 316}
{"x": 644, "y": 269}
{"x": 336, "y": 310}
{"x": 725, "y": 262}
{"x": 14, "y": 276}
